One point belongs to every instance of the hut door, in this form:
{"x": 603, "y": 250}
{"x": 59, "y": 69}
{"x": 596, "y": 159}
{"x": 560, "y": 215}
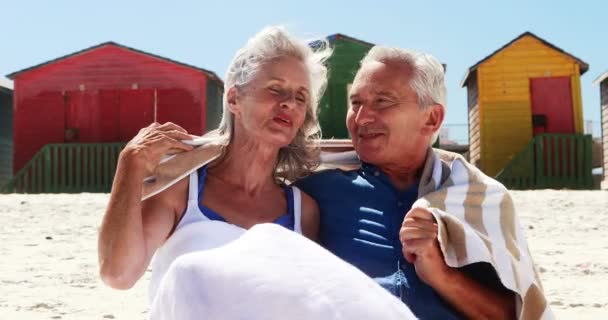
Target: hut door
{"x": 108, "y": 127}
{"x": 551, "y": 105}
{"x": 71, "y": 101}
{"x": 136, "y": 111}
{"x": 81, "y": 114}
{"x": 552, "y": 113}
{"x": 91, "y": 116}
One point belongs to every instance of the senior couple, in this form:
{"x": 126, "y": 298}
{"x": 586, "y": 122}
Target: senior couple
{"x": 390, "y": 218}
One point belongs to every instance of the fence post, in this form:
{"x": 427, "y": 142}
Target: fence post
{"x": 588, "y": 162}
{"x": 580, "y": 161}
{"x": 539, "y": 162}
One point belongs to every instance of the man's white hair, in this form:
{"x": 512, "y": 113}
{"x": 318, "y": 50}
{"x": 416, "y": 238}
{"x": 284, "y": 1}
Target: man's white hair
{"x": 427, "y": 78}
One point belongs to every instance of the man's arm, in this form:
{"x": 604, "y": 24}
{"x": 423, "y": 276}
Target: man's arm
{"x": 474, "y": 300}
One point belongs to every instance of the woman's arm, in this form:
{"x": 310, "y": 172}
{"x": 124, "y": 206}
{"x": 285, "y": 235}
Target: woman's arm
{"x": 131, "y": 230}
{"x": 310, "y": 217}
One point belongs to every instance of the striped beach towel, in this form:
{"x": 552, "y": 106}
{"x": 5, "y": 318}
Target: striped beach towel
{"x": 478, "y": 223}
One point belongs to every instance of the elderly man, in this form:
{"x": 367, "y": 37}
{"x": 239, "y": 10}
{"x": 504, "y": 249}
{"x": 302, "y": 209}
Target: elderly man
{"x": 397, "y": 106}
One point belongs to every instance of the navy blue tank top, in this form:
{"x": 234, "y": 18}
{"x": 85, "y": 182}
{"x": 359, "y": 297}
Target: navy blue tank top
{"x": 287, "y": 220}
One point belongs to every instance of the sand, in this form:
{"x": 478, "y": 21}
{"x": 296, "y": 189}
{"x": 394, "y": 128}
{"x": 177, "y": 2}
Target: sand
{"x": 48, "y": 250}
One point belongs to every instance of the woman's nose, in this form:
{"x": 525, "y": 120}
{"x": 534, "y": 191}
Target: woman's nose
{"x": 288, "y": 100}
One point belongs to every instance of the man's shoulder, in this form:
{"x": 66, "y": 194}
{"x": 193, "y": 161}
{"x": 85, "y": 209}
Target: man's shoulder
{"x": 474, "y": 174}
{"x": 448, "y": 156}
{"x": 325, "y": 179}
{"x": 327, "y": 175}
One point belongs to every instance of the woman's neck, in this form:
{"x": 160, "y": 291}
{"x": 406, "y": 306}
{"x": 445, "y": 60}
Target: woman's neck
{"x": 247, "y": 165}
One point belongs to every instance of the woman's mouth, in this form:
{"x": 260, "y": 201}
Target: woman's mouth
{"x": 283, "y": 120}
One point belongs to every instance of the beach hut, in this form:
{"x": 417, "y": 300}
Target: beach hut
{"x": 6, "y": 130}
{"x": 343, "y": 65}
{"x": 526, "y": 115}
{"x": 89, "y": 103}
{"x": 602, "y": 81}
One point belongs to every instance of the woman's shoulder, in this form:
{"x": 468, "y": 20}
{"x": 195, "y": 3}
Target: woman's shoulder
{"x": 309, "y": 217}
{"x": 175, "y": 198}
{"x": 307, "y": 200}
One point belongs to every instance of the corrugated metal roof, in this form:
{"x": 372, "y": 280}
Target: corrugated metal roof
{"x": 601, "y": 78}
{"x": 6, "y": 83}
{"x": 111, "y": 43}
{"x": 583, "y": 65}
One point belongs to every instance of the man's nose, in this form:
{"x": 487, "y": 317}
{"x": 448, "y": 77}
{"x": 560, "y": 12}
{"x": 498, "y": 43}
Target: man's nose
{"x": 364, "y": 116}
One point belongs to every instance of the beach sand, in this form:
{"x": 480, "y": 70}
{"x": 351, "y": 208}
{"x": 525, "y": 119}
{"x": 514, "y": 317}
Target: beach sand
{"x": 48, "y": 246}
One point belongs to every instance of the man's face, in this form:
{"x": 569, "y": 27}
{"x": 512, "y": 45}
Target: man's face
{"x": 385, "y": 120}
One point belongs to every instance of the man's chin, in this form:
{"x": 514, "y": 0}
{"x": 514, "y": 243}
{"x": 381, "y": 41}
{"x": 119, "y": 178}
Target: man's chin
{"x": 368, "y": 154}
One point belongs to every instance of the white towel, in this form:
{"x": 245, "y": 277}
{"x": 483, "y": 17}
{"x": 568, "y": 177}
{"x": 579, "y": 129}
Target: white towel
{"x": 271, "y": 273}
{"x": 193, "y": 237}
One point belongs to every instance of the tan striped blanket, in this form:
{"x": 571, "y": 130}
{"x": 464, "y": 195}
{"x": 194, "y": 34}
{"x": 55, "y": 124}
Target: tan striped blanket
{"x": 478, "y": 223}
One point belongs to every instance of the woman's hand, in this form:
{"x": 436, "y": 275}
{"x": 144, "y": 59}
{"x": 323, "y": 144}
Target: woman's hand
{"x": 130, "y": 233}
{"x": 153, "y": 142}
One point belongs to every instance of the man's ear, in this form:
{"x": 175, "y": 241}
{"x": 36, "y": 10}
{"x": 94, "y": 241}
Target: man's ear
{"x": 434, "y": 118}
{"x": 231, "y": 99}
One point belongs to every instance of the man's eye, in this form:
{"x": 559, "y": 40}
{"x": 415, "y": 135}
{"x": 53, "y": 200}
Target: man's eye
{"x": 383, "y": 103}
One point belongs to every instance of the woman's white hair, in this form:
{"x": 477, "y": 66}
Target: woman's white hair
{"x": 427, "y": 78}
{"x": 302, "y": 155}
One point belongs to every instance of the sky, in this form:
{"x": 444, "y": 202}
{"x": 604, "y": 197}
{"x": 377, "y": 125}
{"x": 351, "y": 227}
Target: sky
{"x": 208, "y": 33}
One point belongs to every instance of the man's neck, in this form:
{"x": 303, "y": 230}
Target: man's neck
{"x": 405, "y": 174}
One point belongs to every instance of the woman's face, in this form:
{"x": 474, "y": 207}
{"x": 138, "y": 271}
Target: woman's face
{"x": 272, "y": 107}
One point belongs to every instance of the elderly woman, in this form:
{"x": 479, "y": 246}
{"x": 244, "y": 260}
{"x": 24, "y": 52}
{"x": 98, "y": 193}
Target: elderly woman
{"x": 268, "y": 133}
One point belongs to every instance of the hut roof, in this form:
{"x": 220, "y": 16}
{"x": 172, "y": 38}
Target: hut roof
{"x": 338, "y": 36}
{"x": 209, "y": 73}
{"x": 601, "y": 78}
{"x": 583, "y": 65}
{"x": 6, "y": 84}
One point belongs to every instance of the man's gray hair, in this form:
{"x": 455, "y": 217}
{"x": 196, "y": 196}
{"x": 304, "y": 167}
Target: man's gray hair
{"x": 427, "y": 74}
{"x": 302, "y": 155}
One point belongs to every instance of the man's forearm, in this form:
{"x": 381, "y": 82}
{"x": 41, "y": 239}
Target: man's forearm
{"x": 474, "y": 300}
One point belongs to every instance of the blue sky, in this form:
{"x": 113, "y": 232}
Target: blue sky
{"x": 207, "y": 33}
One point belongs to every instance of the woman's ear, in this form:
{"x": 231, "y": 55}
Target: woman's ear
{"x": 434, "y": 118}
{"x": 231, "y": 98}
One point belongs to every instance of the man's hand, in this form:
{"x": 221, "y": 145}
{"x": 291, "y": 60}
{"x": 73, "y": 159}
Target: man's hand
{"x": 420, "y": 247}
{"x": 418, "y": 237}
